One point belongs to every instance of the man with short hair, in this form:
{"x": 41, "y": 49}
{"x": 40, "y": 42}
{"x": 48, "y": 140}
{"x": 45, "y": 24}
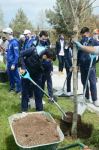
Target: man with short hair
{"x": 84, "y": 63}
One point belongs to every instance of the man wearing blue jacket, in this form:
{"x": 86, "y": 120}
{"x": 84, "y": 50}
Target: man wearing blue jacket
{"x": 27, "y": 87}
{"x": 12, "y": 60}
{"x": 84, "y": 63}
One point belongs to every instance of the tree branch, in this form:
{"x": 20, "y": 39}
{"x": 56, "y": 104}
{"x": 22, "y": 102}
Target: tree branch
{"x": 73, "y": 12}
{"x": 77, "y": 6}
{"x": 87, "y": 7}
{"x": 61, "y": 13}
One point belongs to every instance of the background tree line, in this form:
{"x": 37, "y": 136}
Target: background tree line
{"x": 60, "y": 19}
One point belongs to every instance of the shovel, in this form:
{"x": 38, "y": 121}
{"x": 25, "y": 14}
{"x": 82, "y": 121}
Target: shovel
{"x": 82, "y": 105}
{"x": 62, "y": 92}
{"x": 26, "y": 75}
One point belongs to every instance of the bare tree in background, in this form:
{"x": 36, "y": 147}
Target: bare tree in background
{"x": 41, "y": 20}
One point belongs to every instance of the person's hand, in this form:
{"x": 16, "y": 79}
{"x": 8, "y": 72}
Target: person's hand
{"x": 92, "y": 56}
{"x": 12, "y": 67}
{"x": 44, "y": 57}
{"x": 78, "y": 44}
{"x": 22, "y": 71}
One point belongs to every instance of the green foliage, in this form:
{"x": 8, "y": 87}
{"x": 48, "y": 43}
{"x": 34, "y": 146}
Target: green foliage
{"x": 61, "y": 17}
{"x": 20, "y": 23}
{"x": 2, "y": 66}
{"x": 94, "y": 140}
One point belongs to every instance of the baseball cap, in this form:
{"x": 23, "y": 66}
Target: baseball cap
{"x": 27, "y": 32}
{"x": 8, "y": 30}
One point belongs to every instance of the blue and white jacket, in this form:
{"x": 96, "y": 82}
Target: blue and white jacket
{"x": 13, "y": 52}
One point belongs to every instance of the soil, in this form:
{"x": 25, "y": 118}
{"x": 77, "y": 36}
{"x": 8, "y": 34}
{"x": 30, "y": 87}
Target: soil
{"x": 35, "y": 129}
{"x": 84, "y": 130}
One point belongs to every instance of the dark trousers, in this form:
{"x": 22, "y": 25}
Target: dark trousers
{"x": 47, "y": 77}
{"x": 61, "y": 62}
{"x": 37, "y": 94}
{"x": 92, "y": 81}
{"x": 69, "y": 75}
{"x": 14, "y": 78}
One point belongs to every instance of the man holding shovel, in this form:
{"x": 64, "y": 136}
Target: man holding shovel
{"x": 33, "y": 63}
{"x": 84, "y": 61}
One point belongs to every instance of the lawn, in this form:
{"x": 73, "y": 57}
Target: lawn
{"x": 10, "y": 104}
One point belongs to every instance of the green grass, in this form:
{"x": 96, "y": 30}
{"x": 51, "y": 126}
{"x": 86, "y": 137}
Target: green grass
{"x": 10, "y": 104}
{"x": 2, "y": 66}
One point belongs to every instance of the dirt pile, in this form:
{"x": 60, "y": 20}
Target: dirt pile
{"x": 35, "y": 129}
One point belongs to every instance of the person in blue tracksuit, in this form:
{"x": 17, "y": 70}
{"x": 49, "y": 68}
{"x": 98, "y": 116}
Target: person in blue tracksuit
{"x": 27, "y": 87}
{"x": 68, "y": 66}
{"x": 29, "y": 42}
{"x": 12, "y": 61}
{"x": 28, "y": 62}
{"x": 84, "y": 63}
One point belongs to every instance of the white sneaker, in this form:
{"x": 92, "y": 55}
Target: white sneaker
{"x": 69, "y": 93}
{"x": 96, "y": 103}
{"x": 31, "y": 103}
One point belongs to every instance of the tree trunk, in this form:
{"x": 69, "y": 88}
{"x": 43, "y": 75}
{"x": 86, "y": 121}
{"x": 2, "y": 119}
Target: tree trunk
{"x": 74, "y": 125}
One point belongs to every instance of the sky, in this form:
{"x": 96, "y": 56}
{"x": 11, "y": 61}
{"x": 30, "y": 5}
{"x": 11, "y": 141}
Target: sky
{"x": 31, "y": 8}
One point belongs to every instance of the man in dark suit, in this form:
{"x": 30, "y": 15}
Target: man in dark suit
{"x": 60, "y": 46}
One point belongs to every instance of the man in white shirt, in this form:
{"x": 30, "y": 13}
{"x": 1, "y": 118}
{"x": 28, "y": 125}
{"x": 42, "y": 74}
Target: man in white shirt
{"x": 60, "y": 46}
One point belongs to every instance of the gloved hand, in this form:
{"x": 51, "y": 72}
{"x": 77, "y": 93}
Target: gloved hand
{"x": 12, "y": 67}
{"x": 92, "y": 56}
{"x": 78, "y": 44}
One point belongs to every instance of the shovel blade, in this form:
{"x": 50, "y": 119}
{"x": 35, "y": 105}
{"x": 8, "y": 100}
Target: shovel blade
{"x": 81, "y": 108}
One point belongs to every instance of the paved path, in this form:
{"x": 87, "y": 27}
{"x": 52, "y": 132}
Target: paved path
{"x": 58, "y": 82}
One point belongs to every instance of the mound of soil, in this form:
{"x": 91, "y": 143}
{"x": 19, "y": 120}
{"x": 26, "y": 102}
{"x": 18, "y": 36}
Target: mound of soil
{"x": 35, "y": 129}
{"x": 84, "y": 130}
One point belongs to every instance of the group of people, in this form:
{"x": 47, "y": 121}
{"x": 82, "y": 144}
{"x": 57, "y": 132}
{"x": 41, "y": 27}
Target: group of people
{"x": 33, "y": 54}
{"x": 64, "y": 55}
